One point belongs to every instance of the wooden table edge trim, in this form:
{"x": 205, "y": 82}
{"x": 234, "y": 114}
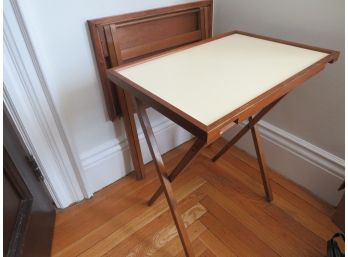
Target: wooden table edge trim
{"x": 212, "y": 131}
{"x": 334, "y": 54}
{"x": 156, "y": 11}
{"x": 242, "y": 112}
{"x": 181, "y": 118}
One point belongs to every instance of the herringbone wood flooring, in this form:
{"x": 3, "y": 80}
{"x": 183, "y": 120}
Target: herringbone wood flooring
{"x": 223, "y": 208}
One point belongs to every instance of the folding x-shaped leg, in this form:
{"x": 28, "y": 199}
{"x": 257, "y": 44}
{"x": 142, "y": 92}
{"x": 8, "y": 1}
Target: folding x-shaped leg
{"x": 194, "y": 150}
{"x": 166, "y": 186}
{"x": 258, "y": 147}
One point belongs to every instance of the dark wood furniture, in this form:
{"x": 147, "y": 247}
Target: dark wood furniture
{"x": 29, "y": 213}
{"x": 128, "y": 37}
{"x": 139, "y": 79}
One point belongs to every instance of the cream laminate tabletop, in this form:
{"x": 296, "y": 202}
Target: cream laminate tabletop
{"x": 210, "y": 80}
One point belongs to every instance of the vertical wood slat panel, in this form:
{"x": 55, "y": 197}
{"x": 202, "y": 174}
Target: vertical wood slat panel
{"x": 114, "y": 95}
{"x": 99, "y": 40}
{"x": 101, "y": 35}
{"x": 202, "y": 21}
{"x": 206, "y": 22}
{"x": 116, "y": 43}
{"x": 111, "y": 45}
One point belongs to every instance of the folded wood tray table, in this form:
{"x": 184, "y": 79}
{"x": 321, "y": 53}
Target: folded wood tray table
{"x": 208, "y": 87}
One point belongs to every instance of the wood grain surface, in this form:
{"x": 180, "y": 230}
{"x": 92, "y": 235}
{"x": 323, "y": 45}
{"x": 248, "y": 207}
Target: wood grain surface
{"x": 223, "y": 209}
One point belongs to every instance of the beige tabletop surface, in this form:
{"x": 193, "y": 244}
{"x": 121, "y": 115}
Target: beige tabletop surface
{"x": 210, "y": 80}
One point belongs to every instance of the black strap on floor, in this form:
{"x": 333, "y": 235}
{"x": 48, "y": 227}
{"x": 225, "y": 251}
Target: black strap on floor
{"x": 333, "y": 249}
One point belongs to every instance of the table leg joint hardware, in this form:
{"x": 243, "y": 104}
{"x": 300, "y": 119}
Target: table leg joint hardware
{"x": 252, "y": 126}
{"x": 194, "y": 150}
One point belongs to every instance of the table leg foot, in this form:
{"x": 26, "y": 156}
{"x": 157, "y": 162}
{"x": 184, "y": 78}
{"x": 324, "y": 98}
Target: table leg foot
{"x": 166, "y": 186}
{"x": 262, "y": 163}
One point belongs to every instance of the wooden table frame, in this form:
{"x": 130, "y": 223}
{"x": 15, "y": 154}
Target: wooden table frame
{"x": 254, "y": 110}
{"x": 116, "y": 41}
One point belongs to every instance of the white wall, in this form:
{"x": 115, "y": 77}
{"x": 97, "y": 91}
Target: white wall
{"x": 311, "y": 117}
{"x": 59, "y": 34}
{"x": 315, "y": 111}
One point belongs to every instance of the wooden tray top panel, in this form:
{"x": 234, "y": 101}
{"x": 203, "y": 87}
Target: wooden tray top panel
{"x": 125, "y": 38}
{"x": 211, "y": 80}
{"x": 205, "y": 86}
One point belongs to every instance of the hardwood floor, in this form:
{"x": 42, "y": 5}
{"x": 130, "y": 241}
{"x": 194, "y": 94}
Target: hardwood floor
{"x": 223, "y": 208}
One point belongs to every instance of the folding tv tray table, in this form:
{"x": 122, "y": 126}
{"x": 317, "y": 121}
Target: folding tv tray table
{"x": 209, "y": 86}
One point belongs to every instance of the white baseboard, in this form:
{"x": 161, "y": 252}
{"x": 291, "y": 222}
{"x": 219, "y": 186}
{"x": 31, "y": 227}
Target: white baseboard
{"x": 302, "y": 162}
{"x": 111, "y": 161}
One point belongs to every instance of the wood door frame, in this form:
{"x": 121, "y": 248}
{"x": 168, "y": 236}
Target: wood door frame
{"x": 31, "y": 108}
{"x": 20, "y": 226}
